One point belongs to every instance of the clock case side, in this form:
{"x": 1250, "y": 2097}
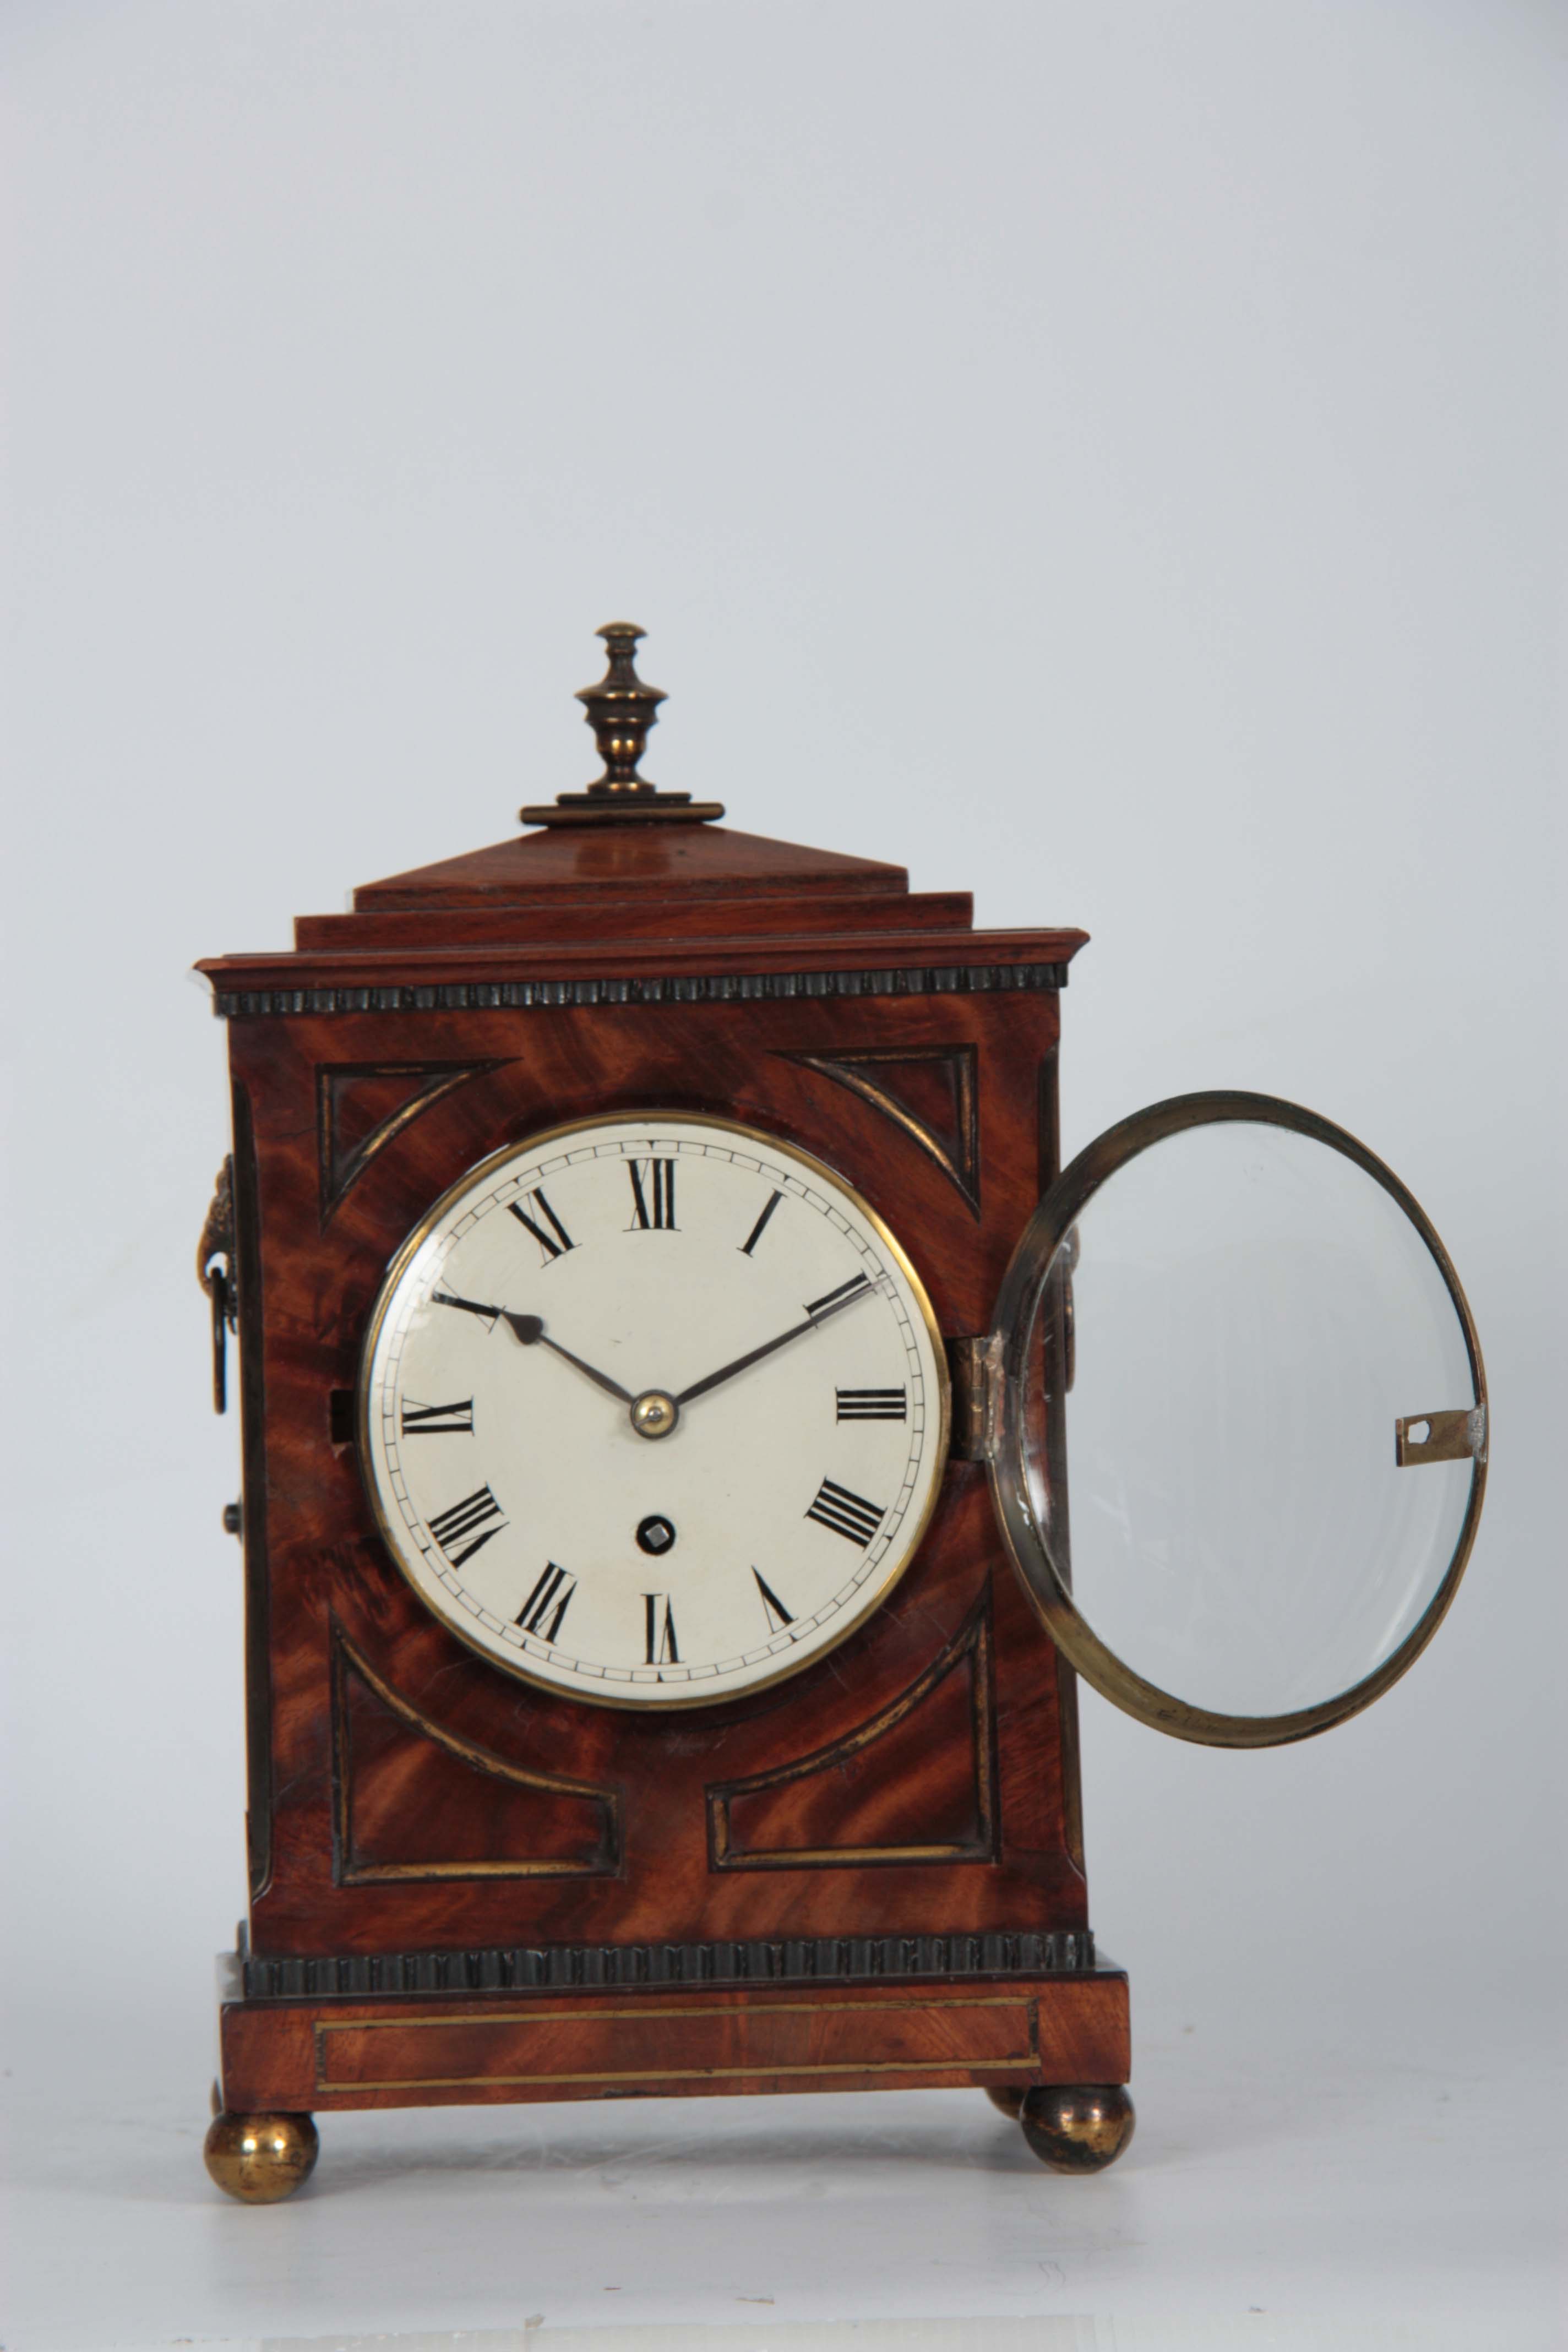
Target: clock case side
{"x": 831, "y": 1034}
{"x": 251, "y": 1318}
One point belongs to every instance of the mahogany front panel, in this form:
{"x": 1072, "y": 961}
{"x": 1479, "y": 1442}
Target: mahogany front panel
{"x": 407, "y": 1795}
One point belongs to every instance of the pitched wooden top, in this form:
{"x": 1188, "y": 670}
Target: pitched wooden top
{"x": 649, "y": 899}
{"x": 575, "y": 865}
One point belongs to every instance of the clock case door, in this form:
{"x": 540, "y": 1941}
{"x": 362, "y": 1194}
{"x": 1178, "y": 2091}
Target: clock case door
{"x": 1235, "y": 1330}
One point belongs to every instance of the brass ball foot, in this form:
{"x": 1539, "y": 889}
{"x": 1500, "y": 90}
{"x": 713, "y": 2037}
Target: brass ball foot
{"x": 261, "y": 2159}
{"x": 1006, "y": 2101}
{"x": 1077, "y": 2126}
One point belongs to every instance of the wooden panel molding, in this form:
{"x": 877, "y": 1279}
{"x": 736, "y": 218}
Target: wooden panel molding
{"x": 362, "y": 1106}
{"x": 481, "y": 1816}
{"x": 699, "y": 2044}
{"x": 932, "y": 1092}
{"x": 928, "y": 1797}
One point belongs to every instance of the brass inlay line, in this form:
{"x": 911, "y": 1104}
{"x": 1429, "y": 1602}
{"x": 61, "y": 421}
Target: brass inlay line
{"x": 795, "y": 1857}
{"x": 381, "y": 1874}
{"x": 958, "y": 2062}
{"x": 954, "y": 2066}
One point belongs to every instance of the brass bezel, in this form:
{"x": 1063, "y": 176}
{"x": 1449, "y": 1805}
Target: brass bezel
{"x": 1046, "y": 1581}
{"x": 645, "y": 1701}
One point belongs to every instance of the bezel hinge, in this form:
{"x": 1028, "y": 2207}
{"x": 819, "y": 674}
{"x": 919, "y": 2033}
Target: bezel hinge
{"x": 974, "y": 1369}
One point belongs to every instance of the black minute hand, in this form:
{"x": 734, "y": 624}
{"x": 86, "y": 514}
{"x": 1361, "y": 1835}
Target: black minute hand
{"x": 816, "y": 1313}
{"x": 529, "y": 1331}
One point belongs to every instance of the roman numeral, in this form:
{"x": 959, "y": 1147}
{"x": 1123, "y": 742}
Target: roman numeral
{"x": 873, "y": 1404}
{"x": 438, "y": 1420}
{"x": 847, "y": 1513}
{"x": 660, "y": 1644}
{"x": 773, "y": 1610}
{"x": 557, "y": 1241}
{"x": 460, "y": 1520}
{"x": 759, "y": 1228}
{"x": 553, "y": 1590}
{"x": 653, "y": 1207}
{"x": 841, "y": 1297}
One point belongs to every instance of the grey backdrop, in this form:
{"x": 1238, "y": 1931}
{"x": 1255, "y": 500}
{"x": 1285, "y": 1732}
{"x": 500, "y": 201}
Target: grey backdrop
{"x": 1108, "y": 457}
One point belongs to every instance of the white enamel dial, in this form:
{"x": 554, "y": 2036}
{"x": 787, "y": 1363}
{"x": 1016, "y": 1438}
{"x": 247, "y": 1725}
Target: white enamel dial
{"x": 652, "y": 1410}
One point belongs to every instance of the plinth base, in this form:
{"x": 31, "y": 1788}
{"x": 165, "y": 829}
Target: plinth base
{"x": 285, "y": 2059}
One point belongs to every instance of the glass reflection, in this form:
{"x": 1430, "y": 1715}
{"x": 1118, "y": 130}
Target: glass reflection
{"x": 1222, "y": 1345}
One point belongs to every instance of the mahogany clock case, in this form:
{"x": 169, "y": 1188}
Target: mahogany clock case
{"x": 869, "y": 1874}
{"x": 470, "y": 1881}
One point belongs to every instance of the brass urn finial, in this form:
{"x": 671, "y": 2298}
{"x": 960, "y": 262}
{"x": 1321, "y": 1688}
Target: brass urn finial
{"x": 621, "y": 709}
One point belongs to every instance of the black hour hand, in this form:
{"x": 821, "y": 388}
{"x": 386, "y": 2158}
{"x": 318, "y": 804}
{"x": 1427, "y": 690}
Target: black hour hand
{"x": 529, "y": 1331}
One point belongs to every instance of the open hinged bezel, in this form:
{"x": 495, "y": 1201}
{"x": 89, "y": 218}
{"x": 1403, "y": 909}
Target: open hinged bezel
{"x": 1036, "y": 1291}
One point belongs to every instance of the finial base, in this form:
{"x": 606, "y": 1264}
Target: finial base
{"x": 622, "y": 808}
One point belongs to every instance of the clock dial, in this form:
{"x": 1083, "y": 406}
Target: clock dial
{"x": 653, "y": 1411}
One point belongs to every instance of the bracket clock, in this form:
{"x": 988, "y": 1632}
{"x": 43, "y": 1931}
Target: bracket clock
{"x": 663, "y": 1328}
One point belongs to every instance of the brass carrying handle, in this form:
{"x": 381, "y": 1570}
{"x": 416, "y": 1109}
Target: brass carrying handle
{"x": 215, "y": 1273}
